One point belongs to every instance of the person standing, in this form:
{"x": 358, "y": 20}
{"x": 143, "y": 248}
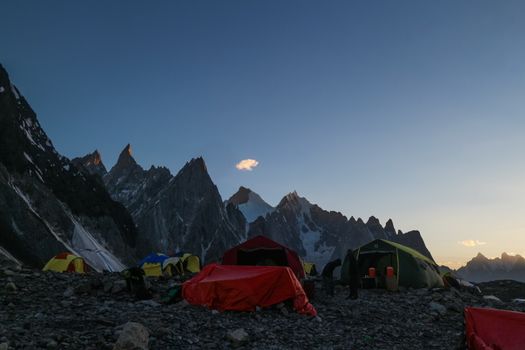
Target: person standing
{"x": 353, "y": 274}
{"x": 328, "y": 276}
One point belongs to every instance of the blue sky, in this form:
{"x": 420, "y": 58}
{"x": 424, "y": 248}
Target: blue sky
{"x": 412, "y": 110}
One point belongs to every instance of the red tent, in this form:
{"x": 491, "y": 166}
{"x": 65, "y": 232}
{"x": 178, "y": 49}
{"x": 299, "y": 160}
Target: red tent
{"x": 242, "y": 288}
{"x": 259, "y": 249}
{"x": 491, "y": 329}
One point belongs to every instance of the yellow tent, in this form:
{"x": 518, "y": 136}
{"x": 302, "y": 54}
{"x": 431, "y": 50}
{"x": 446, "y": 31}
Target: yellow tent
{"x": 66, "y": 262}
{"x": 183, "y": 264}
{"x": 153, "y": 265}
{"x": 309, "y": 268}
{"x": 191, "y": 263}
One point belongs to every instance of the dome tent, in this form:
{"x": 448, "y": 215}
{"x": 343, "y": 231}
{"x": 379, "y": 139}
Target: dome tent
{"x": 152, "y": 264}
{"x": 66, "y": 262}
{"x": 412, "y": 269}
{"x": 182, "y": 264}
{"x": 262, "y": 251}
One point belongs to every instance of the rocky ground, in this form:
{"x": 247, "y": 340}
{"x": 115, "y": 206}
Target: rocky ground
{"x": 70, "y": 311}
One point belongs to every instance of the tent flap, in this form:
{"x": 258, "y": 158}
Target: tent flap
{"x": 491, "y": 329}
{"x": 243, "y": 288}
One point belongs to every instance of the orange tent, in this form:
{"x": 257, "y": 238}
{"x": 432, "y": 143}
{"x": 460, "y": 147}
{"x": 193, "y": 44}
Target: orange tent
{"x": 491, "y": 329}
{"x": 243, "y": 288}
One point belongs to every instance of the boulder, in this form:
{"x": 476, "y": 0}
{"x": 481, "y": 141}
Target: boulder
{"x": 134, "y": 336}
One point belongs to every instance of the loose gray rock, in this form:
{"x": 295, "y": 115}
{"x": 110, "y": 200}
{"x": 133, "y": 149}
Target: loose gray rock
{"x": 69, "y": 292}
{"x": 10, "y": 287}
{"x": 437, "y": 307}
{"x": 118, "y": 286}
{"x": 134, "y": 336}
{"x": 238, "y": 337}
{"x": 492, "y": 299}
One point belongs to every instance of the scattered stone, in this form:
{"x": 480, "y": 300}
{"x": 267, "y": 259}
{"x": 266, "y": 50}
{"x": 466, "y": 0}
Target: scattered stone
{"x": 238, "y": 337}
{"x": 69, "y": 292}
{"x": 10, "y": 287}
{"x": 493, "y": 299}
{"x": 83, "y": 288}
{"x": 118, "y": 286}
{"x": 150, "y": 303}
{"x": 134, "y": 336}
{"x": 29, "y": 318}
{"x": 52, "y": 344}
{"x": 437, "y": 307}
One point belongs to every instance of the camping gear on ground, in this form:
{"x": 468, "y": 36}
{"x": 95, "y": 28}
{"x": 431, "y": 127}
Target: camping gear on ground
{"x": 310, "y": 269}
{"x": 389, "y": 271}
{"x": 244, "y": 288}
{"x": 181, "y": 265}
{"x": 135, "y": 283}
{"x": 488, "y": 329}
{"x": 152, "y": 264}
{"x": 412, "y": 268}
{"x": 66, "y": 262}
{"x": 390, "y": 279}
{"x": 450, "y": 281}
{"x": 173, "y": 295}
{"x": 368, "y": 282}
{"x": 262, "y": 251}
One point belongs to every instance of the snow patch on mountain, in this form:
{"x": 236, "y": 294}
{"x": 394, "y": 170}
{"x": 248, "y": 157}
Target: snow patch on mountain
{"x": 95, "y": 254}
{"x": 254, "y": 207}
{"x": 8, "y": 256}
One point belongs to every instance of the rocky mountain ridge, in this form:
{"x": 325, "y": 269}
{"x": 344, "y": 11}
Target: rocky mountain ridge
{"x": 51, "y": 204}
{"x": 181, "y": 213}
{"x": 483, "y": 269}
{"x": 46, "y": 204}
{"x": 316, "y": 234}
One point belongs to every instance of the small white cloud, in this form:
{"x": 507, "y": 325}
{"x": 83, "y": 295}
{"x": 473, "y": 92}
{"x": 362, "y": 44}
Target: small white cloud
{"x": 471, "y": 243}
{"x": 247, "y": 164}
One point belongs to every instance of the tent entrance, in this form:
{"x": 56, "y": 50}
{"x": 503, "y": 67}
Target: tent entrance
{"x": 262, "y": 257}
{"x": 380, "y": 261}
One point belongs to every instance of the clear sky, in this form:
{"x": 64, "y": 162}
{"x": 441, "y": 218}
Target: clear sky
{"x": 413, "y": 110}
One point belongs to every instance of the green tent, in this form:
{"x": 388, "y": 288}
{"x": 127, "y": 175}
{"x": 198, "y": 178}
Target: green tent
{"x": 412, "y": 269}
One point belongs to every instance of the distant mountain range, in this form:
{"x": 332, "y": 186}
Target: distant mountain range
{"x": 50, "y": 204}
{"x": 483, "y": 269}
{"x": 316, "y": 234}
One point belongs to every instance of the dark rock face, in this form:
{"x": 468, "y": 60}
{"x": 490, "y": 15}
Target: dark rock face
{"x": 250, "y": 204}
{"x": 92, "y": 163}
{"x": 241, "y": 196}
{"x": 46, "y": 204}
{"x": 131, "y": 185}
{"x": 483, "y": 269}
{"x": 175, "y": 213}
{"x": 413, "y": 239}
{"x": 319, "y": 235}
{"x": 189, "y": 215}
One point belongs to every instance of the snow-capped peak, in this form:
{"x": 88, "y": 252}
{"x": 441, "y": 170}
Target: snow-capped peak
{"x": 250, "y": 204}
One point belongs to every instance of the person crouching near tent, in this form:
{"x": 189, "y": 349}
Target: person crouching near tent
{"x": 328, "y": 276}
{"x": 353, "y": 274}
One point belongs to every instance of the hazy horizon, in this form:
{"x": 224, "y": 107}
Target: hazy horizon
{"x": 409, "y": 110}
